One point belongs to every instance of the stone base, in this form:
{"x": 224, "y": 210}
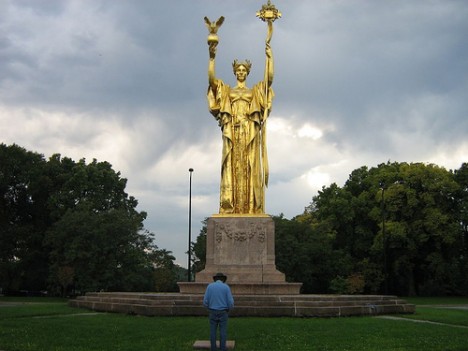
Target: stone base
{"x": 176, "y": 304}
{"x": 205, "y": 344}
{"x": 245, "y": 288}
{"x": 243, "y": 248}
{"x": 242, "y": 274}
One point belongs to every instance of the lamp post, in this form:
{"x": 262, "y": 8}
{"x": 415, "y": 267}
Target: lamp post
{"x": 189, "y": 273}
{"x": 384, "y": 239}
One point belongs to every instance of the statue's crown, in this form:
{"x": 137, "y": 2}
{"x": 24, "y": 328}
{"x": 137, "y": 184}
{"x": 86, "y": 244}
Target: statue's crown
{"x": 247, "y": 64}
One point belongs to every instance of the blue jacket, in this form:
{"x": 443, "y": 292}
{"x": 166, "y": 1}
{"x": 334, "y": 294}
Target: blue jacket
{"x": 218, "y": 296}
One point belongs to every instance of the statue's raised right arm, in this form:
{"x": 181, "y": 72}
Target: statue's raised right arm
{"x": 269, "y": 67}
{"x": 212, "y": 44}
{"x": 211, "y": 67}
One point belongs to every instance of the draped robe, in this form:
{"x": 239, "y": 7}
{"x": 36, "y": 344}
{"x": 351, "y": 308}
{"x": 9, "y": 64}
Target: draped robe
{"x": 244, "y": 165}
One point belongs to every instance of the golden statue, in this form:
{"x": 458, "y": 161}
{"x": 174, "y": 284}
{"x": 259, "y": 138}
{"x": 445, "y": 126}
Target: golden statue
{"x": 242, "y": 114}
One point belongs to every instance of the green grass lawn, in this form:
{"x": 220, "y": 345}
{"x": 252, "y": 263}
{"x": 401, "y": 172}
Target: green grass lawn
{"x": 50, "y": 325}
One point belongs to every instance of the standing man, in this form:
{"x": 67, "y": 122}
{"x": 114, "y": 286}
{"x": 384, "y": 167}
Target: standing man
{"x": 218, "y": 299}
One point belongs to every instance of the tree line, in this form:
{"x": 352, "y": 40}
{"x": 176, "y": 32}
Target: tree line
{"x": 399, "y": 228}
{"x": 70, "y": 227}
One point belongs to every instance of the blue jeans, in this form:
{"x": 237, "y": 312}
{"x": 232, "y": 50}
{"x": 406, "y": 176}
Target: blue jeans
{"x": 218, "y": 318}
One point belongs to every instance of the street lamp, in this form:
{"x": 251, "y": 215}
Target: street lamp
{"x": 384, "y": 239}
{"x": 189, "y": 273}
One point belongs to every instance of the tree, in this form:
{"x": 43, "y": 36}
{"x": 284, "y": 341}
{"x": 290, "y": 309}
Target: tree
{"x": 166, "y": 273}
{"x": 98, "y": 233}
{"x": 461, "y": 177}
{"x": 106, "y": 251}
{"x": 67, "y": 224}
{"x": 342, "y": 214}
{"x": 421, "y": 229}
{"x": 22, "y": 219}
{"x": 461, "y": 269}
{"x": 199, "y": 248}
{"x": 304, "y": 252}
{"x": 398, "y": 224}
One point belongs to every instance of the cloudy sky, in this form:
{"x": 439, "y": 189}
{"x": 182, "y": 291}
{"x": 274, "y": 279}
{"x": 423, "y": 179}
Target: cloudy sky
{"x": 357, "y": 82}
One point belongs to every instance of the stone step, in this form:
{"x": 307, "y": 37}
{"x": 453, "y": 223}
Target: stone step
{"x": 243, "y": 301}
{"x": 265, "y": 311}
{"x": 152, "y": 304}
{"x": 302, "y": 297}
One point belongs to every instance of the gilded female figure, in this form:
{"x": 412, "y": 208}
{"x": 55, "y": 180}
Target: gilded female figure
{"x": 241, "y": 113}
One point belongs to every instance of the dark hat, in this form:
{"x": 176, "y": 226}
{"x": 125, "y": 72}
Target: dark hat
{"x": 220, "y": 276}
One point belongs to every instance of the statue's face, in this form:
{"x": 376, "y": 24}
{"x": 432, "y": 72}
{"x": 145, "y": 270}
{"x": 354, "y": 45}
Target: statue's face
{"x": 241, "y": 73}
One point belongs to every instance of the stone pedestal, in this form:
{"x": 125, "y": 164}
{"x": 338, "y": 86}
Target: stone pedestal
{"x": 243, "y": 248}
{"x": 240, "y": 288}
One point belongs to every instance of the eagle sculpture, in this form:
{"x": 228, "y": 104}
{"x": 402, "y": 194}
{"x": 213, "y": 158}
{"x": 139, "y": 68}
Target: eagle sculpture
{"x": 214, "y": 26}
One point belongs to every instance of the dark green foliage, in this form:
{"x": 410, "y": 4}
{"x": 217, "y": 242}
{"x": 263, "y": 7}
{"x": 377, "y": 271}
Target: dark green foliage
{"x": 166, "y": 273}
{"x": 199, "y": 249}
{"x": 23, "y": 200}
{"x": 105, "y": 250}
{"x": 69, "y": 225}
{"x": 460, "y": 271}
{"x": 305, "y": 253}
{"x": 401, "y": 227}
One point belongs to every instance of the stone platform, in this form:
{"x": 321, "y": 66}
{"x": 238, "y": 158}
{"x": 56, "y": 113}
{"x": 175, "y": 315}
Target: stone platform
{"x": 178, "y": 304}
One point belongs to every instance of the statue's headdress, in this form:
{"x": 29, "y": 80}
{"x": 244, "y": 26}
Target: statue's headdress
{"x": 245, "y": 63}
